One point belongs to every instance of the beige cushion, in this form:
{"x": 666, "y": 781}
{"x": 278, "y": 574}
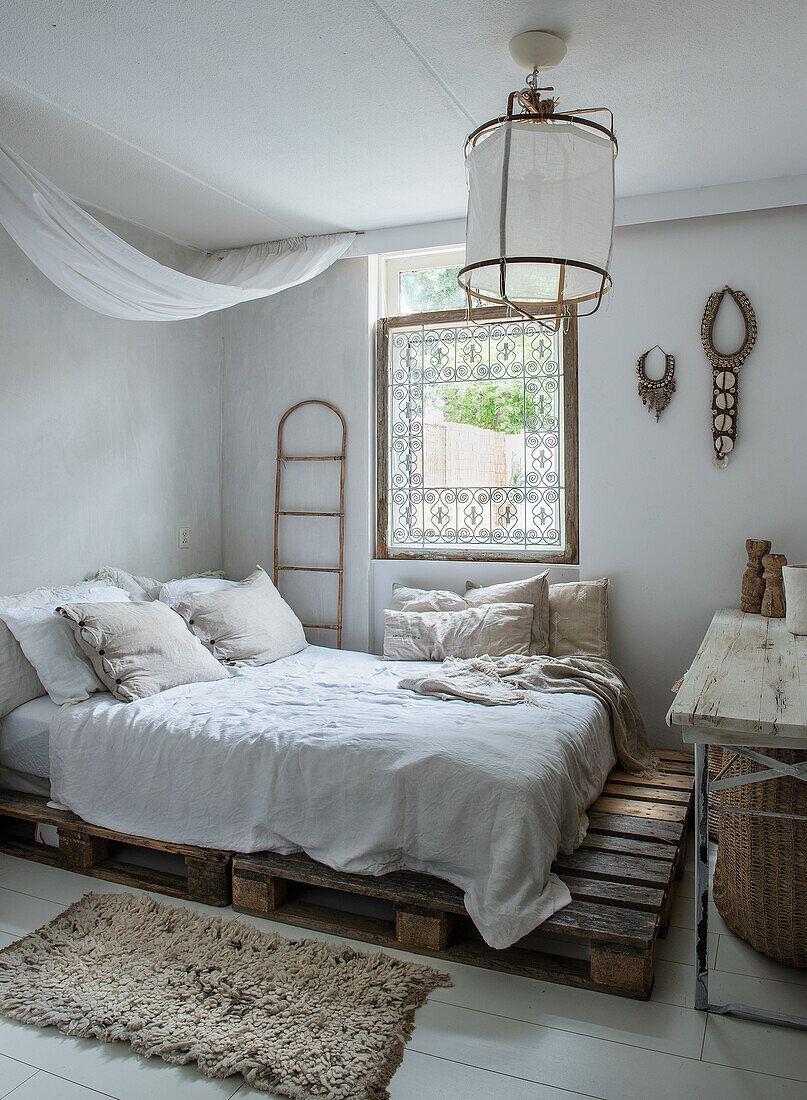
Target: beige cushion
{"x": 534, "y": 590}
{"x": 18, "y": 680}
{"x": 578, "y": 618}
{"x": 249, "y": 622}
{"x": 138, "y": 649}
{"x": 494, "y": 630}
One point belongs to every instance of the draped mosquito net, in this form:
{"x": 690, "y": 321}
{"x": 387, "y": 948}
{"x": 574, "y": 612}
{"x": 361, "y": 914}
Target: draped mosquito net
{"x": 99, "y": 269}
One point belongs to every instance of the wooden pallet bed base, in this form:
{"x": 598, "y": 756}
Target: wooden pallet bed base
{"x": 90, "y": 850}
{"x": 621, "y": 880}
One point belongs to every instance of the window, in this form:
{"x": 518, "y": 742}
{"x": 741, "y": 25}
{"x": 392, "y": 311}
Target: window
{"x": 421, "y": 282}
{"x": 477, "y": 430}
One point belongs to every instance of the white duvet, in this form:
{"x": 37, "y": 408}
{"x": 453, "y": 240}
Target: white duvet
{"x": 323, "y": 752}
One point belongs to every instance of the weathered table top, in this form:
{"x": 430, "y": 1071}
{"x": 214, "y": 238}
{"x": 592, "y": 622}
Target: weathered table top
{"x": 746, "y": 686}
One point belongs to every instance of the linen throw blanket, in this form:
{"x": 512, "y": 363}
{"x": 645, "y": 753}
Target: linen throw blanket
{"x": 505, "y": 681}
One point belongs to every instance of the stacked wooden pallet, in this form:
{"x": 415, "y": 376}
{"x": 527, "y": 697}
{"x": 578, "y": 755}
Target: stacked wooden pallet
{"x": 91, "y": 850}
{"x": 621, "y": 881}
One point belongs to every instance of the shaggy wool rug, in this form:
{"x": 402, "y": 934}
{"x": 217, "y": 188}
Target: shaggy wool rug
{"x": 296, "y": 1017}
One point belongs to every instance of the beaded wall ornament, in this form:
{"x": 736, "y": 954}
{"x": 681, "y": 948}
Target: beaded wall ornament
{"x": 726, "y": 372}
{"x": 656, "y": 392}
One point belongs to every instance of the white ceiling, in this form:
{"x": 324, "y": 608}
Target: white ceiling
{"x": 225, "y": 122}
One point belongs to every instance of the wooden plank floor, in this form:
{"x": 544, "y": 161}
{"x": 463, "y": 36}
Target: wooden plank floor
{"x": 621, "y": 880}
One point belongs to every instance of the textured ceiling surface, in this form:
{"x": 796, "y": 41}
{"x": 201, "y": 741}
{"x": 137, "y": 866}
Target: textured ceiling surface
{"x": 224, "y": 122}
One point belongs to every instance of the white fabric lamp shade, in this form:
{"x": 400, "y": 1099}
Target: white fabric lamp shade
{"x": 540, "y": 194}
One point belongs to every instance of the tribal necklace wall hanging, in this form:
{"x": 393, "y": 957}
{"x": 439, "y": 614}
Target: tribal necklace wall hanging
{"x": 726, "y": 372}
{"x": 656, "y": 392}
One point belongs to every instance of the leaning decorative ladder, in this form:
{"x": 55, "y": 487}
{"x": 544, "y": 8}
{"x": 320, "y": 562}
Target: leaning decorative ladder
{"x": 340, "y": 514}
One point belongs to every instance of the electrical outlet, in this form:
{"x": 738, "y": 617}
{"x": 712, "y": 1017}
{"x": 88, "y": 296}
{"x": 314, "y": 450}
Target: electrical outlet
{"x": 184, "y": 538}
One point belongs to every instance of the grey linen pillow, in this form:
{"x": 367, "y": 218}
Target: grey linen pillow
{"x": 495, "y": 630}
{"x": 138, "y": 649}
{"x": 249, "y": 622}
{"x": 533, "y": 590}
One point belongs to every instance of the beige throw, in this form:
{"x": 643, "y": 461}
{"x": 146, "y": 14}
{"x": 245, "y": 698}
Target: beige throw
{"x": 506, "y": 681}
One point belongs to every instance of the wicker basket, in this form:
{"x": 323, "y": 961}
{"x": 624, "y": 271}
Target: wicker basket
{"x": 760, "y": 881}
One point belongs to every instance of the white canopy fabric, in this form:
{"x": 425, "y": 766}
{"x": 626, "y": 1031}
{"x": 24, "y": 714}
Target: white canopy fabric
{"x": 93, "y": 265}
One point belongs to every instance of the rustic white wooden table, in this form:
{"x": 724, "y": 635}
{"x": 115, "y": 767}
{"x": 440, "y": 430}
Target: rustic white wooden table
{"x": 746, "y": 689}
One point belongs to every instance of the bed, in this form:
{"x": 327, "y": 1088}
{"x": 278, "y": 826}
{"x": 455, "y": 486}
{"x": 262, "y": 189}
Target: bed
{"x": 319, "y": 770}
{"x": 322, "y": 752}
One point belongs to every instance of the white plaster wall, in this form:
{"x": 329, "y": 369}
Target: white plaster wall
{"x": 312, "y": 341}
{"x": 109, "y": 434}
{"x": 655, "y": 515}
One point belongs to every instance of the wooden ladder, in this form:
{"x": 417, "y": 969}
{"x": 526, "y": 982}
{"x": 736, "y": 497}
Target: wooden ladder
{"x": 340, "y": 514}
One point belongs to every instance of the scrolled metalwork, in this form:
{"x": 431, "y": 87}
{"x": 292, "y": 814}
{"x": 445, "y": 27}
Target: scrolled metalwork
{"x": 524, "y": 515}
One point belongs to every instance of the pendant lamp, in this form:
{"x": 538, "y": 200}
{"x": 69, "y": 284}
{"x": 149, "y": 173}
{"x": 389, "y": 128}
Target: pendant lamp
{"x": 540, "y": 200}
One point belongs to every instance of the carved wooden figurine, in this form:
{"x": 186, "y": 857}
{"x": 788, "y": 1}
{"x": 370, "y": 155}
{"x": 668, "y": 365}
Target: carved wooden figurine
{"x": 773, "y": 602}
{"x": 753, "y": 586}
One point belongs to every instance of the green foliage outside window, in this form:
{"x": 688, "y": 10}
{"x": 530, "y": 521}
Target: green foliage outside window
{"x": 498, "y": 406}
{"x": 495, "y": 405}
{"x": 432, "y": 289}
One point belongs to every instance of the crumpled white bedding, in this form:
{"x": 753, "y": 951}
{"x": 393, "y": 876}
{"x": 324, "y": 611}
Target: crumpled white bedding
{"x": 323, "y": 752}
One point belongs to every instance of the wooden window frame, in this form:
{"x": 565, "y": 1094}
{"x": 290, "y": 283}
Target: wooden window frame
{"x": 570, "y": 553}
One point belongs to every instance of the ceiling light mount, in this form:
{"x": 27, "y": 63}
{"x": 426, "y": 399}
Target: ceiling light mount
{"x": 538, "y": 167}
{"x": 537, "y": 51}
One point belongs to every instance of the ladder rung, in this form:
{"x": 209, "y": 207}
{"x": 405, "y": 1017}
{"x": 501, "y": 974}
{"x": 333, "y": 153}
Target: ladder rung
{"x": 310, "y": 513}
{"x": 308, "y": 569}
{"x": 312, "y": 458}
{"x": 320, "y": 626}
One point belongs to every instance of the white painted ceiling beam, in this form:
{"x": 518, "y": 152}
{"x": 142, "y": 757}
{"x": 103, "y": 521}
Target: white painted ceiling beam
{"x": 695, "y": 202}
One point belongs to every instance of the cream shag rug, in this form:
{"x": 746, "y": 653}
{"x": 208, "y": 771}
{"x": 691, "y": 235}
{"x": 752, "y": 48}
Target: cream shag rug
{"x": 297, "y": 1017}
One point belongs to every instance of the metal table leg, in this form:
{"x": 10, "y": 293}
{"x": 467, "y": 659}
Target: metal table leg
{"x": 701, "y": 878}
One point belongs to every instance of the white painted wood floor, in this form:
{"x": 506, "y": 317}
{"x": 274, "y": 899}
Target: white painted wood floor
{"x": 490, "y": 1037}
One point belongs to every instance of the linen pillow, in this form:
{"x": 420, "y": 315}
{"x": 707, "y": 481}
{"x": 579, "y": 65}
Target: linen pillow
{"x": 578, "y": 618}
{"x": 18, "y": 679}
{"x": 249, "y": 622}
{"x": 422, "y": 599}
{"x": 48, "y": 643}
{"x": 493, "y": 630}
{"x": 174, "y": 592}
{"x": 534, "y": 590}
{"x": 138, "y": 649}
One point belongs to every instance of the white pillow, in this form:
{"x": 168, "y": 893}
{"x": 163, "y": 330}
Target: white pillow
{"x": 49, "y": 644}
{"x": 174, "y": 592}
{"x": 18, "y": 680}
{"x": 137, "y": 587}
{"x": 405, "y": 598}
